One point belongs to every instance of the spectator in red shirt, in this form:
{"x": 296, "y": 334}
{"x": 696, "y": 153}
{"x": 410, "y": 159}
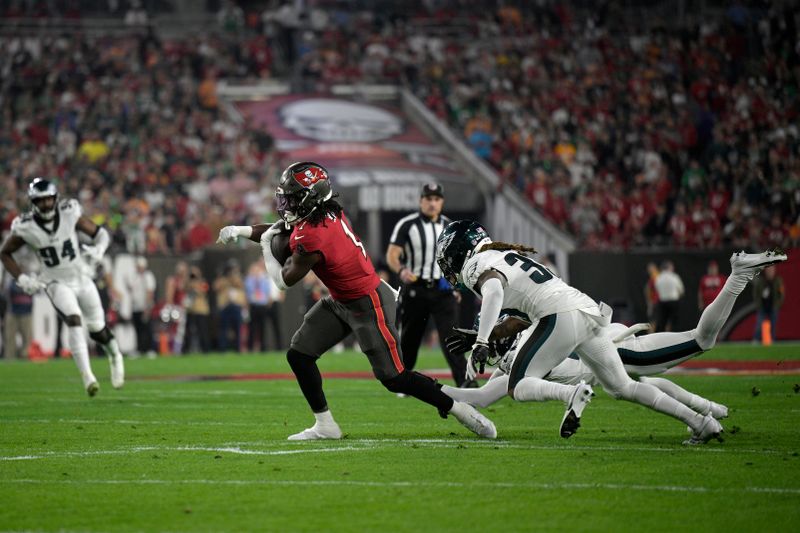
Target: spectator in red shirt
{"x": 710, "y": 285}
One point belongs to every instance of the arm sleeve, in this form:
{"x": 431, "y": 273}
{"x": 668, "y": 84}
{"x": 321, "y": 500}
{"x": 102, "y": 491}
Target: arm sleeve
{"x": 273, "y": 266}
{"x": 492, "y": 294}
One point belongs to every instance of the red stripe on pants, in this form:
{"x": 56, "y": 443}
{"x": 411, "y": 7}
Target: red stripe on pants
{"x": 387, "y": 335}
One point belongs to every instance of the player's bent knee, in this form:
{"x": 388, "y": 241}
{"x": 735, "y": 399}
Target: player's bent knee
{"x": 299, "y": 359}
{"x": 73, "y": 320}
{"x": 103, "y": 336}
{"x": 399, "y": 383}
{"x": 705, "y": 342}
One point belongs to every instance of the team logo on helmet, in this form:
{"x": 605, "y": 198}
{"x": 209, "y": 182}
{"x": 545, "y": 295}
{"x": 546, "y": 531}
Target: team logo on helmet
{"x": 310, "y": 176}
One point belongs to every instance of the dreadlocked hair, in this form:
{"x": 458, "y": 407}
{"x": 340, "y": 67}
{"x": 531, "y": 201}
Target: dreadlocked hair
{"x": 500, "y": 246}
{"x": 320, "y": 214}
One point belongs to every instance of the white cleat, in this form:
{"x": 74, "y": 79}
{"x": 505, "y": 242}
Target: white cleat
{"x": 471, "y": 419}
{"x": 572, "y": 417}
{"x": 92, "y": 389}
{"x": 117, "y": 371}
{"x": 752, "y": 264}
{"x": 318, "y": 431}
{"x": 718, "y": 410}
{"x": 709, "y": 429}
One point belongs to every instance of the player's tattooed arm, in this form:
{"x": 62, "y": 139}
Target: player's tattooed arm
{"x": 12, "y": 244}
{"x": 297, "y": 266}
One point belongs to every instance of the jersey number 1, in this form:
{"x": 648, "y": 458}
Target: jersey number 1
{"x": 353, "y": 238}
{"x": 540, "y": 274}
{"x": 50, "y": 254}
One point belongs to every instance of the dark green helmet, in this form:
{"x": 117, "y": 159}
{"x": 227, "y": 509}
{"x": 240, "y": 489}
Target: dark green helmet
{"x": 456, "y": 244}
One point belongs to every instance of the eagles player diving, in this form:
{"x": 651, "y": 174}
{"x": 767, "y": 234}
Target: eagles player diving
{"x": 567, "y": 321}
{"x": 643, "y": 356}
{"x": 50, "y": 229}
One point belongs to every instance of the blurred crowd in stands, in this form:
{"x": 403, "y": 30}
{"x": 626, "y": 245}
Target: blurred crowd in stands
{"x": 683, "y": 135}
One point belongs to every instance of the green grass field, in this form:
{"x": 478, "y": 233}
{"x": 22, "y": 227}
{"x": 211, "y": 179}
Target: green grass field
{"x": 176, "y": 455}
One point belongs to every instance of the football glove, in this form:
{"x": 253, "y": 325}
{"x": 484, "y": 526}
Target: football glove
{"x": 461, "y": 341}
{"x": 91, "y": 254}
{"x": 30, "y": 284}
{"x": 476, "y": 362}
{"x": 273, "y": 230}
{"x": 228, "y": 234}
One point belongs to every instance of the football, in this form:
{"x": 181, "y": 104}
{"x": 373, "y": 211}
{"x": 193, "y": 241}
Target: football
{"x": 280, "y": 244}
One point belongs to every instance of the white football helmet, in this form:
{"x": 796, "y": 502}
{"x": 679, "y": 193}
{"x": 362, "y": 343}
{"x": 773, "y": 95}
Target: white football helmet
{"x": 41, "y": 188}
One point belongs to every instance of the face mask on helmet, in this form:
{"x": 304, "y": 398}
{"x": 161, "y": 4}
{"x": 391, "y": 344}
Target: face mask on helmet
{"x": 302, "y": 189}
{"x": 43, "y": 196}
{"x": 456, "y": 245}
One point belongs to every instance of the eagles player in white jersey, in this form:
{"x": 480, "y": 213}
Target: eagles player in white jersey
{"x": 50, "y": 229}
{"x": 643, "y": 356}
{"x": 568, "y": 320}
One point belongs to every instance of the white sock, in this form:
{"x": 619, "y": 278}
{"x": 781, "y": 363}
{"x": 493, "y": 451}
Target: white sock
{"x": 485, "y": 396}
{"x": 736, "y": 284}
{"x": 653, "y": 398}
{"x": 325, "y": 418}
{"x": 716, "y": 314}
{"x": 80, "y": 353}
{"x": 692, "y": 401}
{"x": 532, "y": 389}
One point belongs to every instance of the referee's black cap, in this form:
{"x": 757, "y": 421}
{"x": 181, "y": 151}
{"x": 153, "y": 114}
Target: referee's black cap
{"x": 432, "y": 189}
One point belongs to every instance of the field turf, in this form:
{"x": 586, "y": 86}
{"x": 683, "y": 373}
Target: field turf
{"x": 168, "y": 453}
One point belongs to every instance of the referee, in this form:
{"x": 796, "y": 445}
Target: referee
{"x": 412, "y": 255}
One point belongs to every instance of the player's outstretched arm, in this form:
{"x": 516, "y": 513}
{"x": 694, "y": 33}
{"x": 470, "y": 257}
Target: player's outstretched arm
{"x": 232, "y": 233}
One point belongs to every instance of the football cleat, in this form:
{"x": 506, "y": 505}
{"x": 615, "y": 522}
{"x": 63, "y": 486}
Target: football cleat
{"x": 471, "y": 419}
{"x": 709, "y": 429}
{"x": 117, "y": 371}
{"x": 718, "y": 410}
{"x": 92, "y": 389}
{"x": 572, "y": 417}
{"x": 318, "y": 431}
{"x": 752, "y": 264}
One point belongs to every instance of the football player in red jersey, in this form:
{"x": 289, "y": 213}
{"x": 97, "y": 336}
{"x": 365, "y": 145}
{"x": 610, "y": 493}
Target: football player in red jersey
{"x": 321, "y": 240}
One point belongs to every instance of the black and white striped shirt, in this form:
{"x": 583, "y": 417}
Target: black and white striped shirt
{"x": 417, "y": 235}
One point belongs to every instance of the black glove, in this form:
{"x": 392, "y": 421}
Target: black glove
{"x": 476, "y": 362}
{"x": 461, "y": 341}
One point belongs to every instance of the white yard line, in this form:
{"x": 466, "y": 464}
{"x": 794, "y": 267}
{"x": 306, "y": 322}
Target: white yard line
{"x": 216, "y": 449}
{"x": 414, "y": 484}
{"x": 369, "y": 444}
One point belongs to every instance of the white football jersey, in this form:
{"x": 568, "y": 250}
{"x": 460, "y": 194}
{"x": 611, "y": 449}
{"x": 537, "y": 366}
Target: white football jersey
{"x": 530, "y": 287}
{"x": 55, "y": 243}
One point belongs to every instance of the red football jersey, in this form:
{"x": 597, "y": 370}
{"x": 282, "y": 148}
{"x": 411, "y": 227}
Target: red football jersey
{"x": 710, "y": 286}
{"x": 345, "y": 267}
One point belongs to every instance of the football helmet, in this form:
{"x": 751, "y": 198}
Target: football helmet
{"x": 457, "y": 244}
{"x": 302, "y": 188}
{"x": 41, "y": 188}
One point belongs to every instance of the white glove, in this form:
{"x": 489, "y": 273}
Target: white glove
{"x": 267, "y": 236}
{"x": 30, "y": 284}
{"x": 91, "y": 255}
{"x": 230, "y": 234}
